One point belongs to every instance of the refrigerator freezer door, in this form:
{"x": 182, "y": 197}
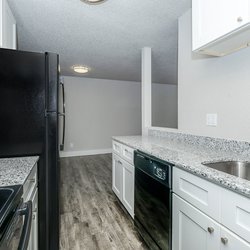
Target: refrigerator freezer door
{"x": 22, "y": 102}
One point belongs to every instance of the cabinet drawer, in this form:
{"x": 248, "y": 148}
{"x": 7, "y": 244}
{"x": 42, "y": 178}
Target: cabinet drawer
{"x": 117, "y": 147}
{"x": 200, "y": 193}
{"x": 235, "y": 213}
{"x": 128, "y": 154}
{"x": 30, "y": 184}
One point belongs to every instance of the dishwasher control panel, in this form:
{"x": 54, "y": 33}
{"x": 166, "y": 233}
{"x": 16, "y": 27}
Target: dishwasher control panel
{"x": 153, "y": 167}
{"x": 159, "y": 173}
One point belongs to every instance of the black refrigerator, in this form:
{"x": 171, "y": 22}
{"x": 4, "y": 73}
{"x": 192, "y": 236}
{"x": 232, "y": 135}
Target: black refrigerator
{"x": 29, "y": 111}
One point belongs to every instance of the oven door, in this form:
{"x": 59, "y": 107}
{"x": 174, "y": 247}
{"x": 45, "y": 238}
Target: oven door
{"x": 17, "y": 233}
{"x": 152, "y": 210}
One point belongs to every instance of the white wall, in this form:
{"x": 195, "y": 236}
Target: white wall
{"x": 98, "y": 109}
{"x": 164, "y": 105}
{"x": 212, "y": 85}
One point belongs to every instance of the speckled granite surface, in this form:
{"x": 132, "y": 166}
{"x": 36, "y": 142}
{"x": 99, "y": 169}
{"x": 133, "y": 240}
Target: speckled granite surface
{"x": 189, "y": 156}
{"x": 14, "y": 171}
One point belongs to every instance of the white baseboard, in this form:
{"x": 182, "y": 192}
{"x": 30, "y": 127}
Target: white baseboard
{"x": 85, "y": 152}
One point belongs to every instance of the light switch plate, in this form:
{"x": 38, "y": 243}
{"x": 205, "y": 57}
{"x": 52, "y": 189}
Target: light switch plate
{"x": 212, "y": 120}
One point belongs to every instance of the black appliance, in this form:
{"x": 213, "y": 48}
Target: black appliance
{"x": 29, "y": 92}
{"x": 153, "y": 202}
{"x": 15, "y": 219}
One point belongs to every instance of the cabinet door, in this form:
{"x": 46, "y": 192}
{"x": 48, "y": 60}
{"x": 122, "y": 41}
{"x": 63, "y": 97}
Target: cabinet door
{"x": 8, "y": 31}
{"x": 128, "y": 187}
{"x": 212, "y": 19}
{"x": 236, "y": 213}
{"x": 230, "y": 241}
{"x": 192, "y": 229}
{"x": 117, "y": 176}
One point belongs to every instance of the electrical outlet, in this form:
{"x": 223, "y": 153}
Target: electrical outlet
{"x": 71, "y": 145}
{"x": 212, "y": 120}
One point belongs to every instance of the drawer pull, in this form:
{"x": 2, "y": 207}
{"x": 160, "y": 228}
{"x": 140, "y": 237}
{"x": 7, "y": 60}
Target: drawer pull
{"x": 224, "y": 240}
{"x": 32, "y": 180}
{"x": 210, "y": 230}
{"x": 119, "y": 162}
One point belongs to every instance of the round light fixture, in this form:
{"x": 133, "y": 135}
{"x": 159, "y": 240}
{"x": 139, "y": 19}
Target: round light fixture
{"x": 81, "y": 69}
{"x": 93, "y": 1}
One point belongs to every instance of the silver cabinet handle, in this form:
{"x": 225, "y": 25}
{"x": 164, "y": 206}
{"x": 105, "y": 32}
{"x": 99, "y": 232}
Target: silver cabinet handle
{"x": 32, "y": 180}
{"x": 119, "y": 162}
{"x": 210, "y": 230}
{"x": 224, "y": 240}
{"x": 239, "y": 19}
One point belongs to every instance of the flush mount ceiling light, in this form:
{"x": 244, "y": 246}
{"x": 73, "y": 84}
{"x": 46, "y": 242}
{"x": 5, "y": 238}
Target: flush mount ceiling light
{"x": 81, "y": 69}
{"x": 93, "y": 1}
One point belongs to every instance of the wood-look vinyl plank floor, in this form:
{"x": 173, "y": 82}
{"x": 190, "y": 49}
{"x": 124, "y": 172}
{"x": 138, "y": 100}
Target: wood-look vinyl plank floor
{"x": 91, "y": 217}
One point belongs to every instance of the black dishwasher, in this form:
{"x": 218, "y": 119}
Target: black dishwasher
{"x": 153, "y": 203}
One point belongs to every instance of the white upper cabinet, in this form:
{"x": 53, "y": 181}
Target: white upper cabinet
{"x": 220, "y": 27}
{"x": 7, "y": 26}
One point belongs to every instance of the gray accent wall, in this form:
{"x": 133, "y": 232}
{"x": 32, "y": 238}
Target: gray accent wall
{"x": 98, "y": 109}
{"x": 212, "y": 85}
{"x": 164, "y": 105}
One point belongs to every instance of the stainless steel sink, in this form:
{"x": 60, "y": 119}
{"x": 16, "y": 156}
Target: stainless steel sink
{"x": 237, "y": 168}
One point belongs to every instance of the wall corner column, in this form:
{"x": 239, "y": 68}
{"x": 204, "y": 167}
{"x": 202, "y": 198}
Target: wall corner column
{"x": 146, "y": 89}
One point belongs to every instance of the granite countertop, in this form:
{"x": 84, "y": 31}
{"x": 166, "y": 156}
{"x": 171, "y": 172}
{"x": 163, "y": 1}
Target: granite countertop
{"x": 190, "y": 156}
{"x": 15, "y": 171}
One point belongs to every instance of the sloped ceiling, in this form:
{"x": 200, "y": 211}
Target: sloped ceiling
{"x": 107, "y": 37}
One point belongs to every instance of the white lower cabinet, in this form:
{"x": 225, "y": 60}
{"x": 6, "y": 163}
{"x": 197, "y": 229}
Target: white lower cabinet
{"x": 117, "y": 176}
{"x": 123, "y": 182}
{"x": 194, "y": 230}
{"x": 191, "y": 228}
{"x": 128, "y": 187}
{"x": 123, "y": 175}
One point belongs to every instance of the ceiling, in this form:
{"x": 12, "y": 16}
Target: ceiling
{"x": 107, "y": 37}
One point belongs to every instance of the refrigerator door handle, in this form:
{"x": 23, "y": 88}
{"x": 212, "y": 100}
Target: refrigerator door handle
{"x": 63, "y": 95}
{"x": 63, "y": 115}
